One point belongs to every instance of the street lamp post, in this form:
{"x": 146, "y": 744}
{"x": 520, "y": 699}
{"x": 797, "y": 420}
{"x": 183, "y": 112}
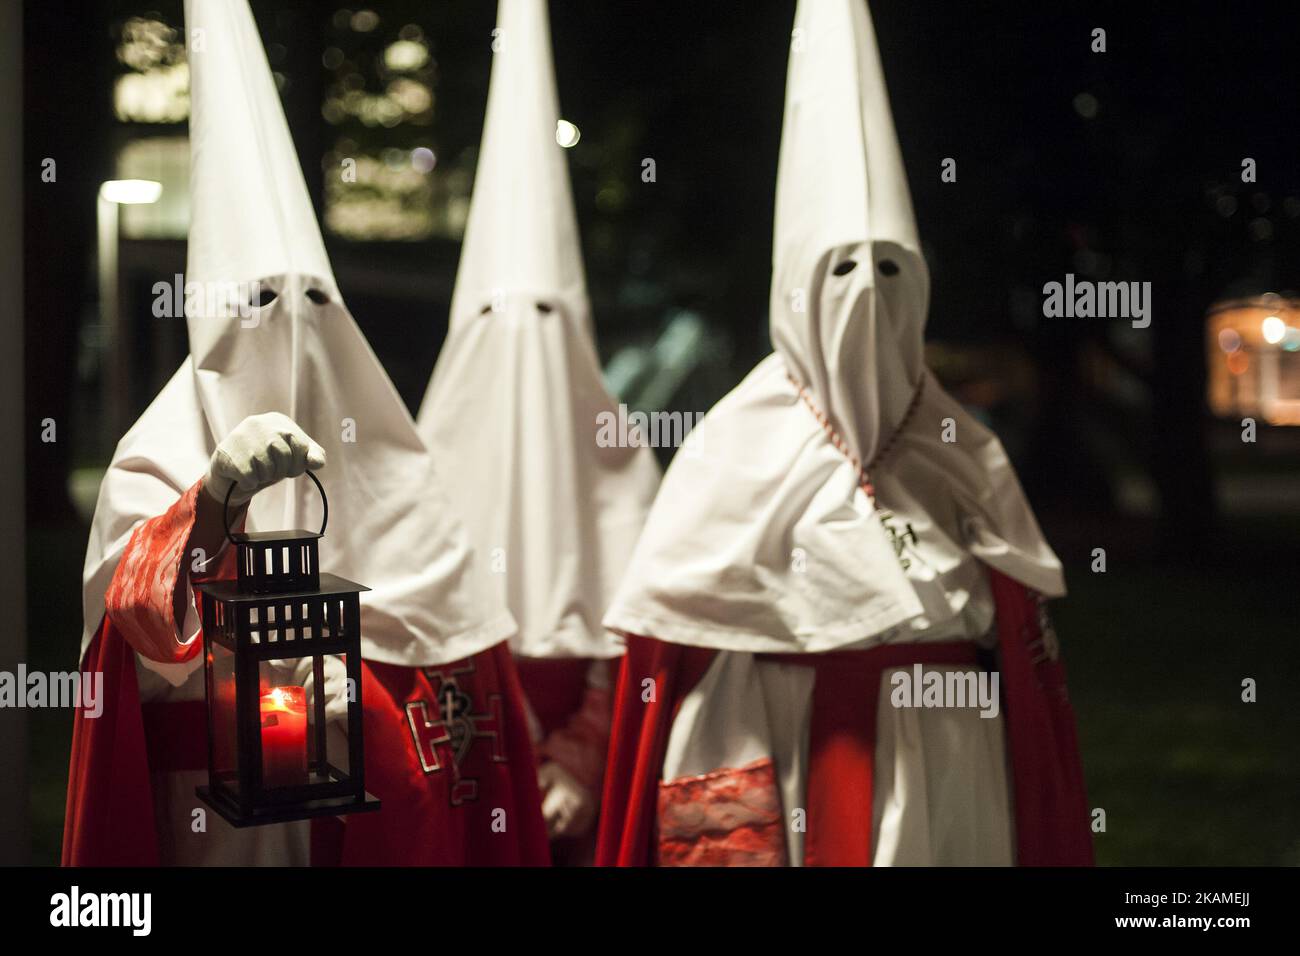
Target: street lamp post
{"x": 116, "y": 358}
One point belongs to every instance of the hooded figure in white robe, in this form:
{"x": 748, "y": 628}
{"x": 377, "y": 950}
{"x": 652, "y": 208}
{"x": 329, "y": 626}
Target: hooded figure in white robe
{"x": 836, "y": 511}
{"x": 268, "y": 333}
{"x": 516, "y": 401}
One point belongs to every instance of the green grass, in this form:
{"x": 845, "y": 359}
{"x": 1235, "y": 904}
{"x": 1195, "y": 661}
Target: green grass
{"x": 1186, "y": 772}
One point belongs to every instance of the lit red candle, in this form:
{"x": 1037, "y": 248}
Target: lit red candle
{"x": 284, "y": 737}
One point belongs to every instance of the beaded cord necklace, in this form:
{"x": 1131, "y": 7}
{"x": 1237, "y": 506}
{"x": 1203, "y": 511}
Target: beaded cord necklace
{"x": 864, "y": 471}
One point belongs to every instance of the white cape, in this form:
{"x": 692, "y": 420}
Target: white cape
{"x": 763, "y": 537}
{"x": 301, "y": 354}
{"x": 516, "y": 396}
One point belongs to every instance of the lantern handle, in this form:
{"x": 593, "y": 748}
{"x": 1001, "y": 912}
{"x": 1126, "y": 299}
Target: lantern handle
{"x": 324, "y": 503}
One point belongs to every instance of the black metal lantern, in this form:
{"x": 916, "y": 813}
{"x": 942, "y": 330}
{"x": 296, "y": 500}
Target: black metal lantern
{"x": 272, "y": 756}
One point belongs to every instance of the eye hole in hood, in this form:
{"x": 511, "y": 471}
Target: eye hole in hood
{"x": 845, "y": 267}
{"x": 265, "y": 296}
{"x": 317, "y": 296}
{"x": 887, "y": 267}
{"x": 545, "y": 308}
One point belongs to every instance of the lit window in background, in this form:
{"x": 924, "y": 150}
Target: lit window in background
{"x": 150, "y": 93}
{"x": 155, "y": 87}
{"x": 1254, "y": 359}
{"x": 379, "y": 173}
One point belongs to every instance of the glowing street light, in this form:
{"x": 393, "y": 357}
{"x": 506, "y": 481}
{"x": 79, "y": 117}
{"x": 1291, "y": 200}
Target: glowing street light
{"x": 1273, "y": 329}
{"x": 566, "y": 134}
{"x": 130, "y": 192}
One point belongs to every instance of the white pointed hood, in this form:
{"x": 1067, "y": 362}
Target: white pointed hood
{"x": 522, "y": 233}
{"x": 287, "y": 343}
{"x": 841, "y": 198}
{"x": 764, "y": 536}
{"x": 516, "y": 398}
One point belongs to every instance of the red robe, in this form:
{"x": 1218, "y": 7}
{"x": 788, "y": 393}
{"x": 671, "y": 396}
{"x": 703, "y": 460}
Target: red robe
{"x": 445, "y": 746}
{"x": 574, "y": 720}
{"x": 448, "y": 753}
{"x": 573, "y": 715}
{"x": 1047, "y": 776}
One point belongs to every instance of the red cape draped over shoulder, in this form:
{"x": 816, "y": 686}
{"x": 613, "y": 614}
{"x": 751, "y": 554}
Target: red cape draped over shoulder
{"x": 109, "y": 819}
{"x": 1051, "y": 803}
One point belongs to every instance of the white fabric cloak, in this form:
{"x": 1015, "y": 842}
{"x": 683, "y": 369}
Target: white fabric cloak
{"x": 516, "y": 397}
{"x": 300, "y": 353}
{"x": 762, "y": 537}
{"x": 820, "y": 505}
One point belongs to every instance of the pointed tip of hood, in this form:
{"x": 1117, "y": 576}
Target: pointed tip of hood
{"x": 841, "y": 179}
{"x": 251, "y": 215}
{"x": 522, "y": 233}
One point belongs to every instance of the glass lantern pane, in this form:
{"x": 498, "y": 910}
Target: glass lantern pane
{"x": 295, "y": 751}
{"x": 337, "y": 703}
{"x": 225, "y": 762}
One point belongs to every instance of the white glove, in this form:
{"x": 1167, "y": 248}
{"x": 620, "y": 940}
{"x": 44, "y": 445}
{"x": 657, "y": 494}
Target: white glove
{"x": 336, "y": 685}
{"x": 258, "y": 452}
{"x": 568, "y": 807}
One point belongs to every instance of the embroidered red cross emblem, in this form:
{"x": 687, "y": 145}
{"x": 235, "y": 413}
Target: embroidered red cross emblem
{"x": 456, "y": 728}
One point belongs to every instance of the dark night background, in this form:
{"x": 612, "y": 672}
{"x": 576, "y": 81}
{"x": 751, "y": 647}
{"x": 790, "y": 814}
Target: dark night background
{"x": 1123, "y": 165}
